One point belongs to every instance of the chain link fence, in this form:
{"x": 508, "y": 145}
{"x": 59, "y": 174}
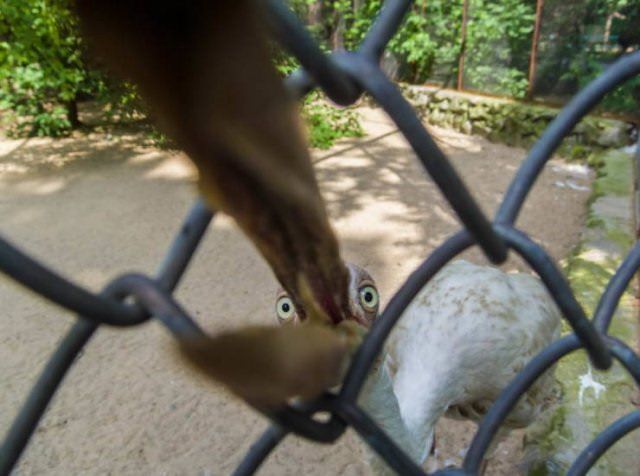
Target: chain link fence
{"x": 132, "y": 299}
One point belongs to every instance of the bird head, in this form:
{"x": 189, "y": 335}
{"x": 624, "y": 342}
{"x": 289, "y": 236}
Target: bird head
{"x": 364, "y": 300}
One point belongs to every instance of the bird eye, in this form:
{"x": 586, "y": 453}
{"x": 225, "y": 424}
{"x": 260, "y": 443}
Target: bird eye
{"x": 369, "y": 298}
{"x": 284, "y": 308}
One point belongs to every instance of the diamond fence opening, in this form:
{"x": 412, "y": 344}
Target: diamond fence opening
{"x": 344, "y": 77}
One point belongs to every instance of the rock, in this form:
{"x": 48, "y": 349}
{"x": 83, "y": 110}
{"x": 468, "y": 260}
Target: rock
{"x": 613, "y": 134}
{"x": 479, "y": 112}
{"x": 457, "y": 105}
{"x": 480, "y": 128}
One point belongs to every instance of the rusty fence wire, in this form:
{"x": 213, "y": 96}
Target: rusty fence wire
{"x": 344, "y": 76}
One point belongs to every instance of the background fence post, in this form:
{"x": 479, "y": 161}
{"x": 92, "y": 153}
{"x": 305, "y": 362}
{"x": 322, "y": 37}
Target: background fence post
{"x": 636, "y": 234}
{"x": 463, "y": 43}
{"x": 534, "y": 48}
{"x": 636, "y": 205}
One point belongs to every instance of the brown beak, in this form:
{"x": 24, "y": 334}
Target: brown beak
{"x": 205, "y": 70}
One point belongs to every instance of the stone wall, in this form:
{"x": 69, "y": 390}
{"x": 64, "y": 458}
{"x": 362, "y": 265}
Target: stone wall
{"x": 511, "y": 122}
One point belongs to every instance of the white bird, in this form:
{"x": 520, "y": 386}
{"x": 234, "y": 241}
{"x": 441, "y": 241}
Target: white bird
{"x": 460, "y": 342}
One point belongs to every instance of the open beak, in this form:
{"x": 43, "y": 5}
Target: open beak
{"x": 204, "y": 69}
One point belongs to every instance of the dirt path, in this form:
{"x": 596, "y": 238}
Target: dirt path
{"x": 95, "y": 207}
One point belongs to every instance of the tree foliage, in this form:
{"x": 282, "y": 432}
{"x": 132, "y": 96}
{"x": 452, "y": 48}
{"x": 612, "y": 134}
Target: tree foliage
{"x": 579, "y": 40}
{"x": 499, "y": 41}
{"x": 44, "y": 71}
{"x": 326, "y": 123}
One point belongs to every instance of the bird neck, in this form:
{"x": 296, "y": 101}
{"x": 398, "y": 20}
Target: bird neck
{"x": 424, "y": 393}
{"x": 380, "y": 402}
{"x": 421, "y": 408}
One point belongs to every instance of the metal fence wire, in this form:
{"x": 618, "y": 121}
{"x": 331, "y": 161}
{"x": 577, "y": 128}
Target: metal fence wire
{"x": 344, "y": 76}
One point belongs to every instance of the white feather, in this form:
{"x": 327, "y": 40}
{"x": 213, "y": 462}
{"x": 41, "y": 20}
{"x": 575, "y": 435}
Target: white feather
{"x": 457, "y": 346}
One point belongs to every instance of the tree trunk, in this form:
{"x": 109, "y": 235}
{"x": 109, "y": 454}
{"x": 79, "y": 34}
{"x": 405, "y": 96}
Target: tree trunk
{"x": 314, "y": 13}
{"x": 72, "y": 114}
{"x": 337, "y": 36}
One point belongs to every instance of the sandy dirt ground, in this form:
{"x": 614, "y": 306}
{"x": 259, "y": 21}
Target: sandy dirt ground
{"x": 98, "y": 205}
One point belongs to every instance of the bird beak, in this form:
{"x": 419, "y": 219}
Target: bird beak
{"x": 204, "y": 69}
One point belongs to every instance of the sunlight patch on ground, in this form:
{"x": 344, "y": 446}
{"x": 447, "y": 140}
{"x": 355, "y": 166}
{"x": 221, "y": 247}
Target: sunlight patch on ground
{"x": 12, "y": 168}
{"x": 445, "y": 215}
{"x": 390, "y": 177}
{"x": 39, "y": 186}
{"x": 351, "y": 161}
{"x": 345, "y": 183}
{"x": 374, "y": 215}
{"x": 146, "y": 156}
{"x": 450, "y": 138}
{"x": 596, "y": 255}
{"x": 7, "y": 146}
{"x": 174, "y": 168}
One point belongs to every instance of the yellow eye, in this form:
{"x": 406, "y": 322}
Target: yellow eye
{"x": 369, "y": 298}
{"x": 284, "y": 308}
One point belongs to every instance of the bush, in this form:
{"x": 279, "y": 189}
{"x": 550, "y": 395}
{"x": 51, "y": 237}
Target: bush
{"x": 44, "y": 73}
{"x": 41, "y": 68}
{"x": 326, "y": 123}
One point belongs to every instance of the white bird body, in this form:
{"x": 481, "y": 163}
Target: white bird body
{"x": 460, "y": 342}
